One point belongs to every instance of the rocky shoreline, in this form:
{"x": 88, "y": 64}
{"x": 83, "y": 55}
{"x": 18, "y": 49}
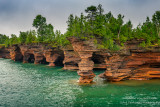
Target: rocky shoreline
{"x": 130, "y": 63}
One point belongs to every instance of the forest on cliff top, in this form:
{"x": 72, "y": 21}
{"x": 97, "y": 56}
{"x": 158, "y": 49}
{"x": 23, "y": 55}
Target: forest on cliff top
{"x": 107, "y": 31}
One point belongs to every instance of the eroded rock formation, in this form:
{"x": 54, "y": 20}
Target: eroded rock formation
{"x": 15, "y": 53}
{"x": 85, "y": 50}
{"x": 54, "y": 56}
{"x": 71, "y": 58}
{"x": 99, "y": 58}
{"x": 32, "y": 53}
{"x": 133, "y": 63}
{"x": 37, "y": 54}
{"x": 4, "y": 52}
{"x": 130, "y": 63}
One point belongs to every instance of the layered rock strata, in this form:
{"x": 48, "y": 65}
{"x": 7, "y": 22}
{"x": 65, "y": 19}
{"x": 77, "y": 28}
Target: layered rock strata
{"x": 71, "y": 59}
{"x": 133, "y": 63}
{"x": 37, "y": 54}
{"x": 4, "y": 52}
{"x": 54, "y": 56}
{"x": 32, "y": 53}
{"x": 86, "y": 67}
{"x": 15, "y": 53}
{"x": 85, "y": 50}
{"x": 130, "y": 63}
{"x": 99, "y": 58}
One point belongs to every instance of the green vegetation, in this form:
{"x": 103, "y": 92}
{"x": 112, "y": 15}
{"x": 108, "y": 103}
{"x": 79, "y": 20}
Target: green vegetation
{"x": 107, "y": 31}
{"x": 111, "y": 32}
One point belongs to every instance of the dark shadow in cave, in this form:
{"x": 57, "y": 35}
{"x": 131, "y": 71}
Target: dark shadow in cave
{"x": 98, "y": 61}
{"x": 31, "y": 58}
{"x": 44, "y": 61}
{"x": 71, "y": 63}
{"x": 59, "y": 61}
{"x": 19, "y": 56}
{"x": 155, "y": 65}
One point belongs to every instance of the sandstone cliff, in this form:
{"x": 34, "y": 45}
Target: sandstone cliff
{"x": 133, "y": 63}
{"x": 37, "y": 54}
{"x": 4, "y": 52}
{"x": 130, "y": 63}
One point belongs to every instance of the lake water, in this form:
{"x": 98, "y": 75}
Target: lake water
{"x": 39, "y": 85}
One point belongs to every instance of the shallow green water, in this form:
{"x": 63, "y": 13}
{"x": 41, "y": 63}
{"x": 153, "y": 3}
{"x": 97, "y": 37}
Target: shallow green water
{"x": 38, "y": 85}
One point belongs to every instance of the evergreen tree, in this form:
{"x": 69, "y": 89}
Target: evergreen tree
{"x": 70, "y": 23}
{"x": 92, "y": 13}
{"x": 156, "y": 21}
{"x": 23, "y": 37}
{"x": 50, "y": 36}
{"x": 40, "y": 24}
{"x": 100, "y": 10}
{"x": 14, "y": 39}
{"x": 3, "y": 38}
{"x": 31, "y": 37}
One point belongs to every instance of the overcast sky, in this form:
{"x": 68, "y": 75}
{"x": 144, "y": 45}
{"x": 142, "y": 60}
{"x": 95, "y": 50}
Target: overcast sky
{"x": 18, "y": 15}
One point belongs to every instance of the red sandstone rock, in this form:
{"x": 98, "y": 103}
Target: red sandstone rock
{"x": 141, "y": 64}
{"x": 71, "y": 59}
{"x": 132, "y": 63}
{"x": 85, "y": 51}
{"x": 4, "y": 52}
{"x": 37, "y": 54}
{"x": 53, "y": 55}
{"x": 15, "y": 53}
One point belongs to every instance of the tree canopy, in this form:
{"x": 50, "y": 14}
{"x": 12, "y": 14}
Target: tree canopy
{"x": 108, "y": 31}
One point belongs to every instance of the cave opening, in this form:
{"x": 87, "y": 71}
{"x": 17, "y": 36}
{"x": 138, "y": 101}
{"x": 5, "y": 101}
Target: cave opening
{"x": 31, "y": 58}
{"x": 99, "y": 62}
{"x": 43, "y": 61}
{"x": 59, "y": 61}
{"x": 97, "y": 59}
{"x": 19, "y": 56}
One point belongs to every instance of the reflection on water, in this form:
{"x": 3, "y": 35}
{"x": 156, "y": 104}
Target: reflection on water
{"x": 40, "y": 85}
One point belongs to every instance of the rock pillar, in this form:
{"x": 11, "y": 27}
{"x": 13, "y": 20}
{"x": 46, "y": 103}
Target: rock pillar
{"x": 86, "y": 67}
{"x": 85, "y": 50}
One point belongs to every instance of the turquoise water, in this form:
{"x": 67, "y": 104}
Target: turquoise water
{"x": 38, "y": 85}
